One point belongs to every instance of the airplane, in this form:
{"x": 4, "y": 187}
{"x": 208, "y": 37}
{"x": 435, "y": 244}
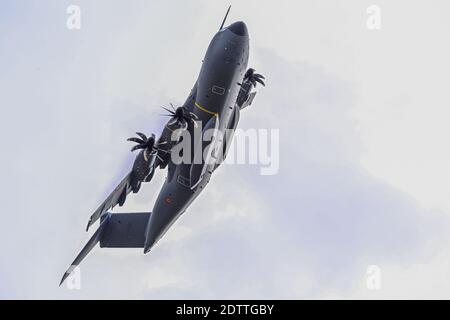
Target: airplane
{"x": 223, "y": 88}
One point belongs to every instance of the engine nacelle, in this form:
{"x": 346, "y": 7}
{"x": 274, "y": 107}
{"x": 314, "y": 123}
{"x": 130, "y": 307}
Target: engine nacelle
{"x": 144, "y": 165}
{"x": 245, "y": 96}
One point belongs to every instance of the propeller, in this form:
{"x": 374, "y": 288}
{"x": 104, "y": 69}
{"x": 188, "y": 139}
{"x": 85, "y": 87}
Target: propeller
{"x": 180, "y": 115}
{"x": 149, "y": 144}
{"x": 143, "y": 142}
{"x": 253, "y": 77}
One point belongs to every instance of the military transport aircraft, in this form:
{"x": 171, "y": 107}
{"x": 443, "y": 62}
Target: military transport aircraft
{"x": 223, "y": 88}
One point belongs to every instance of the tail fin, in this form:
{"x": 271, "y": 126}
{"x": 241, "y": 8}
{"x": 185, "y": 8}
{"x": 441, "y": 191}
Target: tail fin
{"x": 225, "y": 18}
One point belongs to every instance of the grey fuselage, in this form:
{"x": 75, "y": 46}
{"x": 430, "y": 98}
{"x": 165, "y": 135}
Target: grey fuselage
{"x": 213, "y": 95}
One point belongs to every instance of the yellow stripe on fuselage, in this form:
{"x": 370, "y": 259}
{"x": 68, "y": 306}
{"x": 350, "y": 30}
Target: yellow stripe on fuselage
{"x": 206, "y": 110}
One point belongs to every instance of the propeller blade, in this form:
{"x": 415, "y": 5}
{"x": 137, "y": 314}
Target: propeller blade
{"x": 193, "y": 115}
{"x": 137, "y": 140}
{"x": 137, "y": 147}
{"x": 162, "y": 150}
{"x": 143, "y": 136}
{"x": 260, "y": 81}
{"x": 168, "y": 110}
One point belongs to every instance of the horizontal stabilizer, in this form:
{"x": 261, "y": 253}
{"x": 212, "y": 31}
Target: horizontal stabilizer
{"x": 125, "y": 230}
{"x": 119, "y": 230}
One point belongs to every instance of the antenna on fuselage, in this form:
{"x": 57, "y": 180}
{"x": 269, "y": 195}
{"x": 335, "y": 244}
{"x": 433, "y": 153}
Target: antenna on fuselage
{"x": 224, "y": 19}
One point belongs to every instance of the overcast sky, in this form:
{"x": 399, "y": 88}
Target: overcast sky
{"x": 364, "y": 155}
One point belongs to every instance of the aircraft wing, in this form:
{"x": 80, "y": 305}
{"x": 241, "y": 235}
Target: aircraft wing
{"x": 117, "y": 197}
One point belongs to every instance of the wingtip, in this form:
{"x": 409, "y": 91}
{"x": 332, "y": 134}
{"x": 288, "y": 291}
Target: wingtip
{"x": 88, "y": 225}
{"x": 63, "y": 278}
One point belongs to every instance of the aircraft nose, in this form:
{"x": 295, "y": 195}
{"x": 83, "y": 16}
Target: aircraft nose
{"x": 239, "y": 28}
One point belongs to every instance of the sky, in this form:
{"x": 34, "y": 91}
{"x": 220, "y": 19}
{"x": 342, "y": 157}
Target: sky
{"x": 363, "y": 178}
